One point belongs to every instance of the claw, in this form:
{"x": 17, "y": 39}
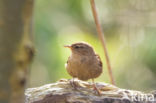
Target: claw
{"x": 95, "y": 88}
{"x": 73, "y": 84}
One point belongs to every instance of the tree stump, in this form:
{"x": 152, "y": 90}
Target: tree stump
{"x": 63, "y": 92}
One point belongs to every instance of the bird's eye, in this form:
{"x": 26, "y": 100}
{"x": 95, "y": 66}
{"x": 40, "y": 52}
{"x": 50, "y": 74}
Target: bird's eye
{"x": 77, "y": 47}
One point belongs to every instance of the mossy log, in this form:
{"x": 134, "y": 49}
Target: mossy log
{"x": 63, "y": 92}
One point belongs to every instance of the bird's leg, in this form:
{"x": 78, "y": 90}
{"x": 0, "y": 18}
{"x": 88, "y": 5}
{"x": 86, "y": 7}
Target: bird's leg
{"x": 95, "y": 88}
{"x": 73, "y": 84}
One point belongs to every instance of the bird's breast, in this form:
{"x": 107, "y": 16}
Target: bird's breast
{"x": 82, "y": 67}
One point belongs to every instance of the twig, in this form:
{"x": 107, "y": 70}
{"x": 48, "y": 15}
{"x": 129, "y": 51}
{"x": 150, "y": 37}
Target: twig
{"x": 101, "y": 37}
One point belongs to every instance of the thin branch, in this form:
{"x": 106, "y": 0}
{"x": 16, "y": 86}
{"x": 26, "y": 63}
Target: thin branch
{"x": 101, "y": 37}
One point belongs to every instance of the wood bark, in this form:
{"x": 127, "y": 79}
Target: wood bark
{"x": 64, "y": 92}
{"x": 16, "y": 48}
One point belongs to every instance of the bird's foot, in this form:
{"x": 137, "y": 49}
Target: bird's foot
{"x": 73, "y": 84}
{"x": 96, "y": 90}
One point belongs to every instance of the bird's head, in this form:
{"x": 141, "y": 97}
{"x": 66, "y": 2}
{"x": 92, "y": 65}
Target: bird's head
{"x": 81, "y": 48}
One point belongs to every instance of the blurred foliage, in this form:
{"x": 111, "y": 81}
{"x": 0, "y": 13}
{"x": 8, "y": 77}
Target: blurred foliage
{"x": 130, "y": 31}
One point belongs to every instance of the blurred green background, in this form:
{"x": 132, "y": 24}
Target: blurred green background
{"x": 130, "y": 31}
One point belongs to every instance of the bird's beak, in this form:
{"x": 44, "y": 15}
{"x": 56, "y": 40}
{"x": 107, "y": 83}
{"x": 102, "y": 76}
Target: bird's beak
{"x": 67, "y": 46}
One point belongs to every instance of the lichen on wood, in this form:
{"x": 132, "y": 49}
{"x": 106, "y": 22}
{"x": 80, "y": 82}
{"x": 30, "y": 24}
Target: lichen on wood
{"x": 63, "y": 92}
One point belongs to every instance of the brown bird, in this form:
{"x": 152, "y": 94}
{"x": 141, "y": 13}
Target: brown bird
{"x": 84, "y": 63}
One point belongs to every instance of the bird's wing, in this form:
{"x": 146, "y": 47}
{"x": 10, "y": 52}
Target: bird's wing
{"x": 99, "y": 60}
